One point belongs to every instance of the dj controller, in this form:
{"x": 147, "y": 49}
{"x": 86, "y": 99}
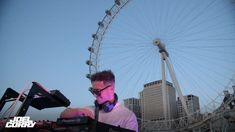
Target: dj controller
{"x": 79, "y": 124}
{"x": 40, "y": 98}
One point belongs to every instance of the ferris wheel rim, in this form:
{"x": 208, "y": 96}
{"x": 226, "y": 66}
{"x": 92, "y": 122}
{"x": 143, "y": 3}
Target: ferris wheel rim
{"x": 94, "y": 50}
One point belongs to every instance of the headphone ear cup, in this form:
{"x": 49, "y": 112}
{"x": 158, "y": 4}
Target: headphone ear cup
{"x": 107, "y": 107}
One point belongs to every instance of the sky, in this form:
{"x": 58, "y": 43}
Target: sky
{"x": 47, "y": 41}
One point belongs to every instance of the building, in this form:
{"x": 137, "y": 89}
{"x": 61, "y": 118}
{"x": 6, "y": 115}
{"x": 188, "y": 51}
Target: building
{"x": 134, "y": 105}
{"x": 192, "y": 103}
{"x": 151, "y": 101}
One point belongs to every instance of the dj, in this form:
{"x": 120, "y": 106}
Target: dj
{"x": 106, "y": 107}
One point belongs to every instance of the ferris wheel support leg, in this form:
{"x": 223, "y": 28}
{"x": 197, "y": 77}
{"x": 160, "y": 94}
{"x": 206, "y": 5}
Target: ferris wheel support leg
{"x": 175, "y": 82}
{"x": 164, "y": 87}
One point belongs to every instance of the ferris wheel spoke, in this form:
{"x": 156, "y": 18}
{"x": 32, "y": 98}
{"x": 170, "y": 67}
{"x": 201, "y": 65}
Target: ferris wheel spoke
{"x": 197, "y": 16}
{"x": 195, "y": 84}
{"x": 205, "y": 67}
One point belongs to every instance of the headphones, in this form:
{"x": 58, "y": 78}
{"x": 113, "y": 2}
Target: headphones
{"x": 107, "y": 106}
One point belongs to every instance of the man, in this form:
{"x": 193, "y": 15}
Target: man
{"x": 109, "y": 110}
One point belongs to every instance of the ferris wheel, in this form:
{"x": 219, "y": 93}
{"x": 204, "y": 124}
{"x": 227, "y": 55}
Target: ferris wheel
{"x": 198, "y": 38}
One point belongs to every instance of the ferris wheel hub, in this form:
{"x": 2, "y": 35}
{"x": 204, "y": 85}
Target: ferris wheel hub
{"x": 162, "y": 48}
{"x": 156, "y": 42}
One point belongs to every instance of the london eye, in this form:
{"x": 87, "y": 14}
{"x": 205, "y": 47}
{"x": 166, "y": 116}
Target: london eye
{"x": 197, "y": 38}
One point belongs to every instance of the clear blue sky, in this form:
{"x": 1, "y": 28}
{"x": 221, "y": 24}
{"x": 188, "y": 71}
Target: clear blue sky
{"x": 47, "y": 41}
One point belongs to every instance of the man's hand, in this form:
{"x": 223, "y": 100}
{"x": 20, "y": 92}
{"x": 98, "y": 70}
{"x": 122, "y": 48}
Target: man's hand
{"x": 76, "y": 112}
